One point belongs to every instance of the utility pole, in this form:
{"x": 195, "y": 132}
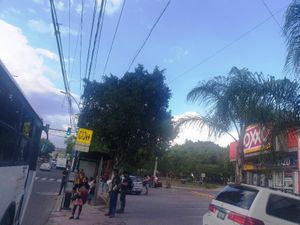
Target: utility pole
{"x": 155, "y": 167}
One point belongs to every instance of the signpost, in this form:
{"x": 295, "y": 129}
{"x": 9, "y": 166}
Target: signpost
{"x": 83, "y": 140}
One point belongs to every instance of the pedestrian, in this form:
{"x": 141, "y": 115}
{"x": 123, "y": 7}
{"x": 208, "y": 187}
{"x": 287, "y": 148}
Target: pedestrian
{"x": 79, "y": 198}
{"x": 126, "y": 184}
{"x": 63, "y": 180}
{"x": 91, "y": 194}
{"x": 113, "y": 194}
{"x": 146, "y": 184}
{"x": 104, "y": 180}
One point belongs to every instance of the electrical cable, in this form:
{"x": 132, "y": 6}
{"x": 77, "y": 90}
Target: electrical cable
{"x": 114, "y": 37}
{"x": 226, "y": 46}
{"x": 99, "y": 40}
{"x": 271, "y": 13}
{"x": 95, "y": 39}
{"x": 148, "y": 36}
{"x": 90, "y": 39}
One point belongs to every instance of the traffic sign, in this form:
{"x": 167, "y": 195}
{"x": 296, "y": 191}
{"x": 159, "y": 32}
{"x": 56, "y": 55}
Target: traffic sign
{"x": 84, "y": 136}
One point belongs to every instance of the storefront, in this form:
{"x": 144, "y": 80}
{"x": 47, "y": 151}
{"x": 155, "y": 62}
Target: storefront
{"x": 275, "y": 167}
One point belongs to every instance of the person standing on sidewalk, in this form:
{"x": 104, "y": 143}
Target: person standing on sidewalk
{"x": 146, "y": 184}
{"x": 79, "y": 199}
{"x": 125, "y": 185}
{"x": 113, "y": 194}
{"x": 63, "y": 180}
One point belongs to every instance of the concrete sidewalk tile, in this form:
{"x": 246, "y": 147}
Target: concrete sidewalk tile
{"x": 90, "y": 215}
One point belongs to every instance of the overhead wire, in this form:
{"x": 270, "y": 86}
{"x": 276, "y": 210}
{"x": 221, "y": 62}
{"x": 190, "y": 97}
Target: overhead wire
{"x": 148, "y": 36}
{"x": 113, "y": 39}
{"x": 271, "y": 13}
{"x": 80, "y": 52}
{"x": 61, "y": 57}
{"x": 95, "y": 40}
{"x": 99, "y": 40}
{"x": 226, "y": 46}
{"x": 69, "y": 43}
{"x": 90, "y": 39}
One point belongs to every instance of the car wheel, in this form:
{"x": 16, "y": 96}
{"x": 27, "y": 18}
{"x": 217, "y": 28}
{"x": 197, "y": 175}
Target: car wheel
{"x": 7, "y": 219}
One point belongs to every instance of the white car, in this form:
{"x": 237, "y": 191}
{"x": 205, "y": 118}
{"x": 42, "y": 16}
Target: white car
{"x": 252, "y": 205}
{"x": 137, "y": 185}
{"x": 45, "y": 166}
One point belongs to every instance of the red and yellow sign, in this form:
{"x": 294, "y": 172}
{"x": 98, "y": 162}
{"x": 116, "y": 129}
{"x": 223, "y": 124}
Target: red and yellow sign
{"x": 256, "y": 139}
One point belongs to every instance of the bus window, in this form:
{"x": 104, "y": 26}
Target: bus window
{"x": 8, "y": 145}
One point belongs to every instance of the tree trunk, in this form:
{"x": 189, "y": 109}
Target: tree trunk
{"x": 240, "y": 158}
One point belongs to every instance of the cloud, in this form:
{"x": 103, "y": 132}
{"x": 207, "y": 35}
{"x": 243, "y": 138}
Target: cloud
{"x": 39, "y": 1}
{"x": 194, "y": 133}
{"x": 176, "y": 54}
{"x": 28, "y": 64}
{"x": 112, "y": 6}
{"x": 47, "y": 28}
{"x": 78, "y": 9}
{"x": 40, "y": 26}
{"x": 47, "y": 54}
{"x": 59, "y": 5}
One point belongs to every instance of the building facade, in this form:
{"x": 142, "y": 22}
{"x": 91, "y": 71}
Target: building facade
{"x": 270, "y": 165}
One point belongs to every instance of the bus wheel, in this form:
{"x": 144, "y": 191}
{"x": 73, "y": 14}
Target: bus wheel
{"x": 7, "y": 219}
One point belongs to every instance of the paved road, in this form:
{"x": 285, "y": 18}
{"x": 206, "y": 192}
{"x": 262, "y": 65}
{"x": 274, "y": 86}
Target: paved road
{"x": 165, "y": 207}
{"x": 43, "y": 196}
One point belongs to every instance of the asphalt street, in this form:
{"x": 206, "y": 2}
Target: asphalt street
{"x": 43, "y": 196}
{"x": 165, "y": 207}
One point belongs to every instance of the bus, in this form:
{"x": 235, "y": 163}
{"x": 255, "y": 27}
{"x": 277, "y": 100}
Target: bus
{"x": 20, "y": 133}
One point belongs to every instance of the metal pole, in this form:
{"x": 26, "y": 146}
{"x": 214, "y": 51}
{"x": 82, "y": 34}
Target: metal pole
{"x": 98, "y": 180}
{"x": 155, "y": 167}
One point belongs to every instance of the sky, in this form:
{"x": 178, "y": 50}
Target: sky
{"x": 195, "y": 40}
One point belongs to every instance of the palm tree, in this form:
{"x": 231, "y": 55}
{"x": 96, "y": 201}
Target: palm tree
{"x": 291, "y": 32}
{"x": 243, "y": 98}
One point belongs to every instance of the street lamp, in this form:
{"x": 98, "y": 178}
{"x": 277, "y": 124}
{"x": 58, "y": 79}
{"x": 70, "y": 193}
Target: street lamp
{"x": 74, "y": 99}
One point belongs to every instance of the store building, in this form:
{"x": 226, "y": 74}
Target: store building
{"x": 270, "y": 166}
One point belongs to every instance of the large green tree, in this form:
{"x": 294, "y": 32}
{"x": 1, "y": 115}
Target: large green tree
{"x": 242, "y": 98}
{"x": 46, "y": 147}
{"x": 129, "y": 115}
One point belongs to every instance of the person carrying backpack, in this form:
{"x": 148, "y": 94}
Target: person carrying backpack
{"x": 126, "y": 185}
{"x": 79, "y": 198}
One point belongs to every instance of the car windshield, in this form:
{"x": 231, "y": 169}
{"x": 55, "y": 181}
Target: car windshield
{"x": 240, "y": 196}
{"x": 135, "y": 179}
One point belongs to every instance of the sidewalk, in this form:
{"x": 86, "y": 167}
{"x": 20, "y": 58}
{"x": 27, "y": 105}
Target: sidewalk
{"x": 90, "y": 215}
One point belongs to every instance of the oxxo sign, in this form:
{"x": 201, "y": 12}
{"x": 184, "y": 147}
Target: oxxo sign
{"x": 255, "y": 139}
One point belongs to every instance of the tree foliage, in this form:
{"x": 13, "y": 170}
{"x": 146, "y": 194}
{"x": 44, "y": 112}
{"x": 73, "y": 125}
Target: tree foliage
{"x": 197, "y": 158}
{"x": 46, "y": 147}
{"x": 129, "y": 115}
{"x": 243, "y": 98}
{"x": 70, "y": 143}
{"x": 292, "y": 35}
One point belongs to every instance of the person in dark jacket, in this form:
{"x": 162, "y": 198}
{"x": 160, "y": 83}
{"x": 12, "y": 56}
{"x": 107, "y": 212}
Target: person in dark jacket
{"x": 113, "y": 193}
{"x": 125, "y": 185}
{"x": 63, "y": 180}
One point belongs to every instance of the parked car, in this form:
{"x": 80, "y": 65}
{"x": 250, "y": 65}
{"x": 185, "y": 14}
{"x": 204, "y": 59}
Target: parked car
{"x": 252, "y": 205}
{"x": 137, "y": 185}
{"x": 45, "y": 166}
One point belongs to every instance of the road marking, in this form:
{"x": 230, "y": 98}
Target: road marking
{"x": 44, "y": 179}
{"x": 204, "y": 194}
{"x": 58, "y": 180}
{"x": 36, "y": 178}
{"x": 51, "y": 179}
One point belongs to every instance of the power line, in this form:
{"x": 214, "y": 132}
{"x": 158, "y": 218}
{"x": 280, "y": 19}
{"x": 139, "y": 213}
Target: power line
{"x": 271, "y": 13}
{"x": 114, "y": 37}
{"x": 226, "y": 46}
{"x": 90, "y": 39}
{"x": 69, "y": 44}
{"x": 61, "y": 57}
{"x": 80, "y": 52}
{"x": 95, "y": 39}
{"x": 99, "y": 40}
{"x": 148, "y": 36}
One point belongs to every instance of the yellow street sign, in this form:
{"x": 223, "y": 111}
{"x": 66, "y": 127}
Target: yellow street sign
{"x": 84, "y": 136}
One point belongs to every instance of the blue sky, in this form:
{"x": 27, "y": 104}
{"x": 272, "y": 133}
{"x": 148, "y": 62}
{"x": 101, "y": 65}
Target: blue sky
{"x": 189, "y": 32}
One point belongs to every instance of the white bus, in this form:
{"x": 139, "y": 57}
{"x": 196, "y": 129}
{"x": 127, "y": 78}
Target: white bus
{"x": 20, "y": 133}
